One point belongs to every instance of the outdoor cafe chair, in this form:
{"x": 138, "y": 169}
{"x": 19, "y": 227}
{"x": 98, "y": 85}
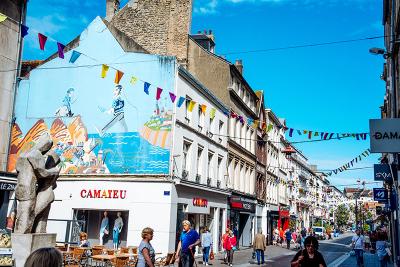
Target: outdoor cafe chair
{"x": 165, "y": 261}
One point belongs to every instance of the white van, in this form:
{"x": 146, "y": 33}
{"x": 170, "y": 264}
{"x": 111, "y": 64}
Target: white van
{"x": 319, "y": 232}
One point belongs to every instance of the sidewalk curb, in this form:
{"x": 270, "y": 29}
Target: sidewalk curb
{"x": 339, "y": 260}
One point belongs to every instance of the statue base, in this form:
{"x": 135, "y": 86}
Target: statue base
{"x": 25, "y": 244}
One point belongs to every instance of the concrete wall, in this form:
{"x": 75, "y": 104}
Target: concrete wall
{"x": 160, "y": 27}
{"x": 9, "y": 56}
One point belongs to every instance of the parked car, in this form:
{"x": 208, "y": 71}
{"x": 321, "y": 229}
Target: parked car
{"x": 319, "y": 232}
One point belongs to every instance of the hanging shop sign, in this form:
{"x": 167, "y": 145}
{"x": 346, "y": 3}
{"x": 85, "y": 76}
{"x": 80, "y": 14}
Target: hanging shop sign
{"x": 200, "y": 202}
{"x": 384, "y": 135}
{"x": 383, "y": 172}
{"x": 381, "y": 195}
{"x": 103, "y": 193}
{"x": 242, "y": 204}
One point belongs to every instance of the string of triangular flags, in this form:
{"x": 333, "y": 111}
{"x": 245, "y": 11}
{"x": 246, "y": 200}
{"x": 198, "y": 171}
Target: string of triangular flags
{"x": 42, "y": 39}
{"x": 350, "y": 164}
{"x": 326, "y": 135}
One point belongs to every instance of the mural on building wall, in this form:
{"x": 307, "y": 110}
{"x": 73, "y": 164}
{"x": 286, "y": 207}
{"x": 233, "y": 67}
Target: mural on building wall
{"x": 98, "y": 126}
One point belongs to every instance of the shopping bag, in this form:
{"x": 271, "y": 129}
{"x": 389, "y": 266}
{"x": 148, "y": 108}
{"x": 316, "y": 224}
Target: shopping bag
{"x": 388, "y": 252}
{"x": 212, "y": 255}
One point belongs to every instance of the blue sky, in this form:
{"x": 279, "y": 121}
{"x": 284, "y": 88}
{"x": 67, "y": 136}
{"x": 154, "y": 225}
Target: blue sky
{"x": 332, "y": 88}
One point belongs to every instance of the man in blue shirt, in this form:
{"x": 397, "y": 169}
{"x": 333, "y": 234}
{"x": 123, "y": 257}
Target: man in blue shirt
{"x": 288, "y": 236}
{"x": 188, "y": 241}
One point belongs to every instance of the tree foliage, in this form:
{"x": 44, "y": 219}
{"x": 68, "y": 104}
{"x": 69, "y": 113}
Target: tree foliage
{"x": 342, "y": 215}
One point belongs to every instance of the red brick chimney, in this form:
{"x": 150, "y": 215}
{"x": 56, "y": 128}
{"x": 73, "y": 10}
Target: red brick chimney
{"x": 239, "y": 65}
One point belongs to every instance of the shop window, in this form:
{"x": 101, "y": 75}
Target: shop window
{"x": 93, "y": 218}
{"x": 219, "y": 170}
{"x": 200, "y": 118}
{"x": 188, "y": 114}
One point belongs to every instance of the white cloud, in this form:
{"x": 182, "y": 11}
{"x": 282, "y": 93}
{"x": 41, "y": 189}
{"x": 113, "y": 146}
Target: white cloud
{"x": 207, "y": 8}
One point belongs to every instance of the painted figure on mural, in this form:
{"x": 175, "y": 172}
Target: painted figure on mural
{"x": 117, "y": 109}
{"x": 65, "y": 109}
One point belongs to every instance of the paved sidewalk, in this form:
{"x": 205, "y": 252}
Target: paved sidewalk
{"x": 370, "y": 260}
{"x": 243, "y": 257}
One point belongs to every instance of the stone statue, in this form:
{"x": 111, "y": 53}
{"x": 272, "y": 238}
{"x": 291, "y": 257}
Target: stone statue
{"x": 37, "y": 175}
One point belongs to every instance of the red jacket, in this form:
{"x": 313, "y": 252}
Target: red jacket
{"x": 230, "y": 242}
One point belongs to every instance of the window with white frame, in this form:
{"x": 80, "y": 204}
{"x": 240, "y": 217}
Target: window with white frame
{"x": 219, "y": 168}
{"x": 185, "y": 153}
{"x": 199, "y": 159}
{"x": 188, "y": 114}
{"x": 200, "y": 117}
{"x": 210, "y": 168}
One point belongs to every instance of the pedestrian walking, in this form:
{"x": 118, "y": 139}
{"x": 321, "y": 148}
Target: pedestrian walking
{"x": 188, "y": 241}
{"x": 259, "y": 245}
{"x": 310, "y": 256}
{"x": 294, "y": 239}
{"x": 206, "y": 243}
{"x": 382, "y": 249}
{"x": 281, "y": 236}
{"x": 358, "y": 247}
{"x": 230, "y": 245}
{"x": 223, "y": 242}
{"x": 146, "y": 253}
{"x": 288, "y": 236}
{"x": 367, "y": 241}
{"x": 373, "y": 238}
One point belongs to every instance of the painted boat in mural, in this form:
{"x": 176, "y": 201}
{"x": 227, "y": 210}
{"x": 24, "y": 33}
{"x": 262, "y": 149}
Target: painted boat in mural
{"x": 157, "y": 130}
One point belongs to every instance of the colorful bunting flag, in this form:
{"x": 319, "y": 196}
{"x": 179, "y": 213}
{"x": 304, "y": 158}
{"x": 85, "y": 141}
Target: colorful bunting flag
{"x": 309, "y": 134}
{"x": 233, "y": 115}
{"x": 298, "y": 132}
{"x": 270, "y": 127}
{"x": 316, "y": 134}
{"x": 104, "y": 69}
{"x": 118, "y": 76}
{"x": 305, "y": 131}
{"x": 146, "y": 87}
{"x": 172, "y": 96}
{"x": 181, "y": 101}
{"x": 212, "y": 113}
{"x": 42, "y": 40}
{"x": 60, "y": 50}
{"x": 256, "y": 123}
{"x": 2, "y": 17}
{"x": 74, "y": 56}
{"x": 203, "y": 108}
{"x": 158, "y": 94}
{"x": 24, "y": 30}
{"x": 291, "y": 132}
{"x": 250, "y": 121}
{"x": 133, "y": 80}
{"x": 191, "y": 105}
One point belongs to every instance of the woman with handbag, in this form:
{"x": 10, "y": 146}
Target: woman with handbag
{"x": 382, "y": 249}
{"x": 206, "y": 243}
{"x": 230, "y": 246}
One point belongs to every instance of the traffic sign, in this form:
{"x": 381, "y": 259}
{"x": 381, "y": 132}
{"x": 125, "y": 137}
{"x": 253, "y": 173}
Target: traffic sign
{"x": 381, "y": 195}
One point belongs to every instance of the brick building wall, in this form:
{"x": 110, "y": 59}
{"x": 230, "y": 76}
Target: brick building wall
{"x": 159, "y": 26}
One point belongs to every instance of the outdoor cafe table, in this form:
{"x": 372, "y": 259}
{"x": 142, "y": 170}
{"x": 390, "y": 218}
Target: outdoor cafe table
{"x": 105, "y": 258}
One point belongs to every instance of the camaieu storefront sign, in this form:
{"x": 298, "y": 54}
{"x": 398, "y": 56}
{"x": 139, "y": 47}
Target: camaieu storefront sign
{"x": 384, "y": 135}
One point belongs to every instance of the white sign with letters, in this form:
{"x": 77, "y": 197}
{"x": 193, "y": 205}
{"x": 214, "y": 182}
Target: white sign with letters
{"x": 384, "y": 135}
